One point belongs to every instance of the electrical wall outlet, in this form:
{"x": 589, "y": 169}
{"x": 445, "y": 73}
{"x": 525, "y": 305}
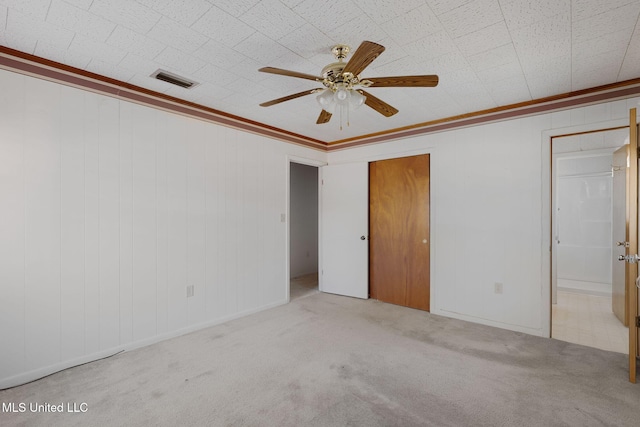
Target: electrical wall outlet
{"x": 497, "y": 288}
{"x": 190, "y": 291}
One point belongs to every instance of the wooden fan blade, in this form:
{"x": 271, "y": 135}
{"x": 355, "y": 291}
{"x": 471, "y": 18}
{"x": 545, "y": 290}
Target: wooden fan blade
{"x": 282, "y": 72}
{"x": 287, "y": 98}
{"x": 363, "y": 56}
{"x": 324, "y": 117}
{"x": 379, "y": 105}
{"x": 405, "y": 81}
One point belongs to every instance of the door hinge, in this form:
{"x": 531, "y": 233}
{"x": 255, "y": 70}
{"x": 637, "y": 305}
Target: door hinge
{"x": 637, "y": 321}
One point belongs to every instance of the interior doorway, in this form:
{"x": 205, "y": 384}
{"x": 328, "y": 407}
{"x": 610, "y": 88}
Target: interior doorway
{"x": 303, "y": 230}
{"x": 583, "y": 247}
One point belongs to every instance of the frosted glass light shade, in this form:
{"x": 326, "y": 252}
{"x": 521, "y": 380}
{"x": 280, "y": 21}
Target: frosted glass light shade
{"x": 356, "y": 99}
{"x": 342, "y": 95}
{"x": 326, "y": 101}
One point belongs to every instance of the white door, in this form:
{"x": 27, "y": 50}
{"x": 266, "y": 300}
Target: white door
{"x": 344, "y": 228}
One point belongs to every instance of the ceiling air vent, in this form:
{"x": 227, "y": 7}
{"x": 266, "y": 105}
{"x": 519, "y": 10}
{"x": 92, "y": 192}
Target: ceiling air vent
{"x": 173, "y": 79}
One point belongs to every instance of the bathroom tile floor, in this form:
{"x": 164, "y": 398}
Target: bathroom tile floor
{"x": 588, "y": 320}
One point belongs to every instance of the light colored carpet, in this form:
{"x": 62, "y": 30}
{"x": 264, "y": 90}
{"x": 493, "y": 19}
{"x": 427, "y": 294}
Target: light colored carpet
{"x": 326, "y": 360}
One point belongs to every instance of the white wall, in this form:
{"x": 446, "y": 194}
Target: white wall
{"x": 109, "y": 210}
{"x": 490, "y": 189}
{"x": 303, "y": 220}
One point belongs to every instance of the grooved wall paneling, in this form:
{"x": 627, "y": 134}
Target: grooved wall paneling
{"x": 162, "y": 228}
{"x": 490, "y": 214}
{"x": 196, "y": 235}
{"x": 109, "y": 214}
{"x": 42, "y": 223}
{"x": 91, "y": 216}
{"x": 72, "y": 232}
{"x": 144, "y": 222}
{"x": 109, "y": 210}
{"x": 125, "y": 285}
{"x": 214, "y": 208}
{"x": 12, "y": 225}
{"x": 231, "y": 227}
{"x": 177, "y": 224}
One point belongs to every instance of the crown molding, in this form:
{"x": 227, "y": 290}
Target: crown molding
{"x": 24, "y": 63}
{"x": 42, "y": 68}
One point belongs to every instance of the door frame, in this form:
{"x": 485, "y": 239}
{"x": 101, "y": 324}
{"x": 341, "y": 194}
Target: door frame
{"x": 547, "y": 205}
{"x": 633, "y": 284}
{"x": 308, "y": 162}
{"x": 548, "y": 232}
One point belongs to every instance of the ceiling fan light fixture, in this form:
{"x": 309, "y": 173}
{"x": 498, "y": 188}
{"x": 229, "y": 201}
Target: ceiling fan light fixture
{"x": 342, "y": 95}
{"x": 356, "y": 99}
{"x": 327, "y": 101}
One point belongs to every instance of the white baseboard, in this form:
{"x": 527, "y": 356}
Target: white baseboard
{"x": 509, "y": 326}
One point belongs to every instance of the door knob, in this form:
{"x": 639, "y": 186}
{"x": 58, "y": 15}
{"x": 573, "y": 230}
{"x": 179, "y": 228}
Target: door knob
{"x": 631, "y": 259}
{"x": 362, "y": 237}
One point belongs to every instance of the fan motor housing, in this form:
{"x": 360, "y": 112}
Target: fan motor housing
{"x": 333, "y": 72}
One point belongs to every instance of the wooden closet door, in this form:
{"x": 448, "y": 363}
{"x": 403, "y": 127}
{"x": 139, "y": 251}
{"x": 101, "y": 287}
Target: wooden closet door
{"x": 399, "y": 231}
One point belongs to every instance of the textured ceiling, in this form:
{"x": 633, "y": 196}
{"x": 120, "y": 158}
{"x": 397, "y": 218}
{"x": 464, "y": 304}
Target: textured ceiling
{"x": 488, "y": 53}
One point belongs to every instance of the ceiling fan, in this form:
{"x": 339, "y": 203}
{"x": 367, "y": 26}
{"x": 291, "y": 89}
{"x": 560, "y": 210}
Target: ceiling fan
{"x": 343, "y": 87}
